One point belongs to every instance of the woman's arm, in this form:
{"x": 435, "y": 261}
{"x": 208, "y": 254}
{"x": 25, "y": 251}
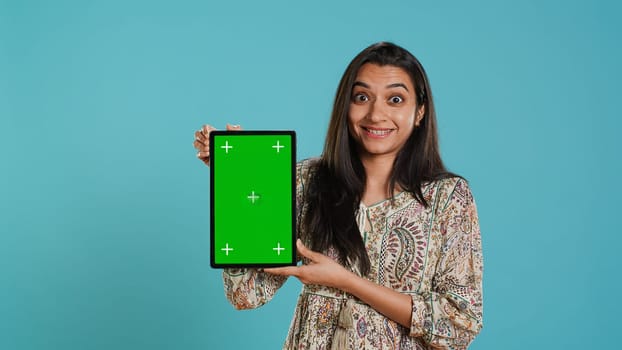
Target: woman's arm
{"x": 450, "y": 315}
{"x": 322, "y": 270}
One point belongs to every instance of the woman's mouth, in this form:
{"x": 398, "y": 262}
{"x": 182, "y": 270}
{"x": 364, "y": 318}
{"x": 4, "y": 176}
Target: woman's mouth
{"x": 377, "y": 132}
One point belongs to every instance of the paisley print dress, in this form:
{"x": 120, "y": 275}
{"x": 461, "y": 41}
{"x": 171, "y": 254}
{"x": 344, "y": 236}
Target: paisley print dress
{"x": 432, "y": 254}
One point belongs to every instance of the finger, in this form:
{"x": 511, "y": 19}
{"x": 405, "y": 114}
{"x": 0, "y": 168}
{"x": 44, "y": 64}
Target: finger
{"x": 205, "y": 129}
{"x": 200, "y": 146}
{"x": 306, "y": 252}
{"x": 201, "y": 143}
{"x": 201, "y": 140}
{"x": 283, "y": 271}
{"x": 203, "y": 155}
{"x": 203, "y": 134}
{"x": 199, "y": 135}
{"x": 233, "y": 127}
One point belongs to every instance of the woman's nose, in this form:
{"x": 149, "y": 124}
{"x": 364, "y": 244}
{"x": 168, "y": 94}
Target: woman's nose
{"x": 377, "y": 111}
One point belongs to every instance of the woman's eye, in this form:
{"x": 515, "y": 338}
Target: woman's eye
{"x": 361, "y": 98}
{"x": 396, "y": 99}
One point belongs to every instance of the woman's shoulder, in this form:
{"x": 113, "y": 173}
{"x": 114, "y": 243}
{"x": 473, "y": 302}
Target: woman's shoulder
{"x": 304, "y": 169}
{"x": 452, "y": 188}
{"x": 309, "y": 161}
{"x": 305, "y": 166}
{"x": 450, "y": 181}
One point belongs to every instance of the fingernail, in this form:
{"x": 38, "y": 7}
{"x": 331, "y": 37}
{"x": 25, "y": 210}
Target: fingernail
{"x": 235, "y": 126}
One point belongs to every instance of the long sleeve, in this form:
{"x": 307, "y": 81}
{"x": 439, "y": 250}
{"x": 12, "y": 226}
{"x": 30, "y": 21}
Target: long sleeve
{"x": 450, "y": 316}
{"x": 250, "y": 288}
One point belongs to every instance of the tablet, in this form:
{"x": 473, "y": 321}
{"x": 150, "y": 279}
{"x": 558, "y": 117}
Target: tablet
{"x": 252, "y": 198}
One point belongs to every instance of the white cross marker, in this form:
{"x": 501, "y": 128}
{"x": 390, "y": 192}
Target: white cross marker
{"x": 278, "y": 248}
{"x": 226, "y": 249}
{"x": 253, "y": 197}
{"x": 226, "y": 147}
{"x": 278, "y": 146}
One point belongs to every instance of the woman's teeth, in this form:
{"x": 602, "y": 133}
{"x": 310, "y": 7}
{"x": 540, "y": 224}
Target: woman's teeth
{"x": 382, "y": 132}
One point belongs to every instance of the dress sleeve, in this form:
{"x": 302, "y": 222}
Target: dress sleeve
{"x": 450, "y": 316}
{"x": 251, "y": 288}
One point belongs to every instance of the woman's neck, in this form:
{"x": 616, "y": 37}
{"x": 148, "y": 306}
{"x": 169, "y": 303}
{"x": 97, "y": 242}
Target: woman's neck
{"x": 378, "y": 174}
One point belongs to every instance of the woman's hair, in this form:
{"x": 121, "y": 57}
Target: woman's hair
{"x": 336, "y": 186}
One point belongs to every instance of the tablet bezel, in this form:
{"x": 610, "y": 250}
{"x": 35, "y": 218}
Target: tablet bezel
{"x": 214, "y": 164}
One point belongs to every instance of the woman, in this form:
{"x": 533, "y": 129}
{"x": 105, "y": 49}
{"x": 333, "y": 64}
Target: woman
{"x": 389, "y": 239}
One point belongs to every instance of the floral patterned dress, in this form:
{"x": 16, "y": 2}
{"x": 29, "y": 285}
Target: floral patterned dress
{"x": 432, "y": 254}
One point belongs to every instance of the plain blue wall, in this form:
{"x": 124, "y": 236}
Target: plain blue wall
{"x": 104, "y": 207}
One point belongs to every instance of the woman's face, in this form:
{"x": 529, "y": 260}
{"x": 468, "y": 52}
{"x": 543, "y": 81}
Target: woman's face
{"x": 383, "y": 110}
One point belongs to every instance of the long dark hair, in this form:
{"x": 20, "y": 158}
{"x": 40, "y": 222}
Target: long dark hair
{"x": 335, "y": 188}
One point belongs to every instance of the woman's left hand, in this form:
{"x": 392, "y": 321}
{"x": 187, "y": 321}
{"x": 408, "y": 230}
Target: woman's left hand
{"x": 321, "y": 269}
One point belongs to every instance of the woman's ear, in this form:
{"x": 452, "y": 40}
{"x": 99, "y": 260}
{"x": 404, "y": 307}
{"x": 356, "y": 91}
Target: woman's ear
{"x": 419, "y": 115}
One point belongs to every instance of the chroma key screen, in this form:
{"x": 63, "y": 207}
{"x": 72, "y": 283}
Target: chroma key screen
{"x": 252, "y": 198}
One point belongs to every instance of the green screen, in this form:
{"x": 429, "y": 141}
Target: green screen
{"x": 252, "y": 207}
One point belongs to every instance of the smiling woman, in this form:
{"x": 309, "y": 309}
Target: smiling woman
{"x": 383, "y": 112}
{"x": 394, "y": 257}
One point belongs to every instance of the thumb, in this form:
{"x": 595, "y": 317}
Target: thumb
{"x": 233, "y": 127}
{"x": 304, "y": 251}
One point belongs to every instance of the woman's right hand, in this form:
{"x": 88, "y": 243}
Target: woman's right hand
{"x": 201, "y": 141}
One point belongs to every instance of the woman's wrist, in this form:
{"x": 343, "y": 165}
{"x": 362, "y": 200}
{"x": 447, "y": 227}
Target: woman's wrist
{"x": 349, "y": 282}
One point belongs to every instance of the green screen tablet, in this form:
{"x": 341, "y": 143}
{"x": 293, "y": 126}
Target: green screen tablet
{"x": 252, "y": 198}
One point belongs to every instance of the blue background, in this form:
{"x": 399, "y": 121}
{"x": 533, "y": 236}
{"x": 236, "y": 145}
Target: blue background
{"x": 104, "y": 207}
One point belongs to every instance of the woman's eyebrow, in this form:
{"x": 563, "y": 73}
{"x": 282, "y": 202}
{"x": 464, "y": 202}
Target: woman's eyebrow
{"x": 390, "y": 86}
{"x": 394, "y": 85}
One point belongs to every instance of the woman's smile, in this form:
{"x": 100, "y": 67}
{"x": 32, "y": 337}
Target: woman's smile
{"x": 379, "y": 133}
